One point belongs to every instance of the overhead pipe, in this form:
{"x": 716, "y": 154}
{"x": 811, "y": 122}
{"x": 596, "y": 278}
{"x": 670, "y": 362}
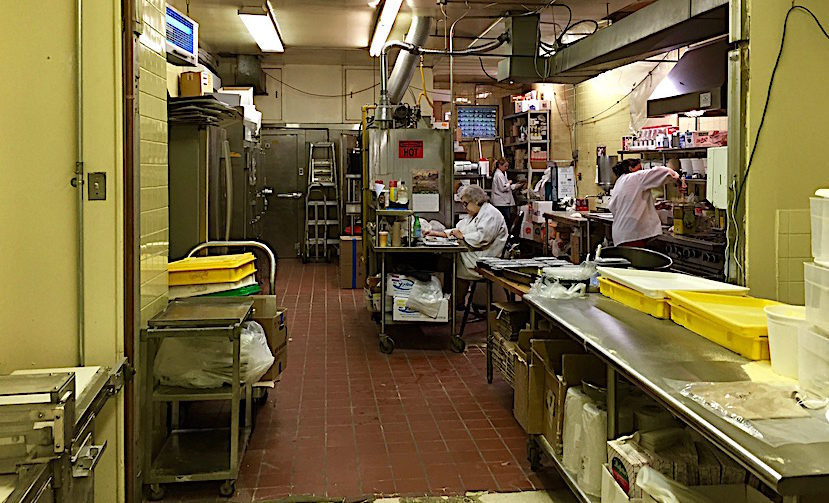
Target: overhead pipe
{"x": 404, "y": 67}
{"x": 384, "y": 108}
{"x": 78, "y": 182}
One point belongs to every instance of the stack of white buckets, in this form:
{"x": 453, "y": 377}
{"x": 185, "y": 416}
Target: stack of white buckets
{"x": 799, "y": 337}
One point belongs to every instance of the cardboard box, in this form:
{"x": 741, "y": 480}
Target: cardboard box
{"x": 352, "y": 267}
{"x": 538, "y": 209}
{"x": 401, "y": 313}
{"x": 272, "y": 318}
{"x": 195, "y": 84}
{"x": 563, "y": 364}
{"x": 521, "y": 395}
{"x": 280, "y": 361}
{"x": 625, "y": 458}
{"x": 526, "y": 335}
{"x": 612, "y": 492}
{"x": 399, "y": 285}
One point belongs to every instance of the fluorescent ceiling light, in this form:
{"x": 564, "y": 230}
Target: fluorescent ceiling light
{"x": 384, "y": 25}
{"x": 262, "y": 25}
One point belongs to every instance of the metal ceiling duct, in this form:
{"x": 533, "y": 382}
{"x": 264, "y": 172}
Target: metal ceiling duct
{"x": 660, "y": 27}
{"x": 404, "y": 67}
{"x": 696, "y": 83}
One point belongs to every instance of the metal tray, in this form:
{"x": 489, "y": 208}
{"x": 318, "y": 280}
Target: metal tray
{"x": 203, "y": 313}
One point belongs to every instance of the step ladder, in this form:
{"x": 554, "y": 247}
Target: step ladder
{"x": 322, "y": 202}
{"x": 353, "y": 201}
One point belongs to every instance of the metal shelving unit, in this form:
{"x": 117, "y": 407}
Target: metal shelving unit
{"x": 353, "y": 200}
{"x": 533, "y": 138}
{"x": 538, "y": 445}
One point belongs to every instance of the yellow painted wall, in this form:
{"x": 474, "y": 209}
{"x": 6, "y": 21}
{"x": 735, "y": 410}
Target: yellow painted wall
{"x": 791, "y": 161}
{"x": 38, "y": 252}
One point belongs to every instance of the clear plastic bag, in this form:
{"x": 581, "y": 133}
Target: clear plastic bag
{"x": 665, "y": 490}
{"x": 555, "y": 290}
{"x": 426, "y": 297}
{"x": 207, "y": 362}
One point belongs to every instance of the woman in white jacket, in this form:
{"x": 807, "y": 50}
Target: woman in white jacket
{"x": 484, "y": 231}
{"x": 502, "y": 188}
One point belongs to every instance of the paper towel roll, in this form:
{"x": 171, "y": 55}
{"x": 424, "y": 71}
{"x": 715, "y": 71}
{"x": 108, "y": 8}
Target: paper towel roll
{"x": 594, "y": 448}
{"x": 573, "y": 410}
{"x": 653, "y": 417}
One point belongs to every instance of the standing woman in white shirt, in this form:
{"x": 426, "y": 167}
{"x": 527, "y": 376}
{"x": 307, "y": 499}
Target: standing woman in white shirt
{"x": 502, "y": 188}
{"x": 635, "y": 220}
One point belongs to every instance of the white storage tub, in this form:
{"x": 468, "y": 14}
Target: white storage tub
{"x": 784, "y": 322}
{"x": 813, "y": 366}
{"x": 817, "y": 295}
{"x": 820, "y": 228}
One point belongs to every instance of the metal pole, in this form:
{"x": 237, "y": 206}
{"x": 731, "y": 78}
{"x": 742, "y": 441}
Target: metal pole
{"x": 78, "y": 182}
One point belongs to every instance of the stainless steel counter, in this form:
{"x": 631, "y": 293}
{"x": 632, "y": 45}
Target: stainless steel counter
{"x": 651, "y": 352}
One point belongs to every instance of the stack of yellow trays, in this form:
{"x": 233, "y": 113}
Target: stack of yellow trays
{"x": 216, "y": 275}
{"x": 658, "y": 308}
{"x": 734, "y": 322}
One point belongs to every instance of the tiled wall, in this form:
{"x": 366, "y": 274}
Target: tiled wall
{"x": 152, "y": 102}
{"x": 793, "y": 247}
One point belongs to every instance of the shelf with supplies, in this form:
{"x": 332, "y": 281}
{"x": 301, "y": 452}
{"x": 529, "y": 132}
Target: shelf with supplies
{"x": 525, "y": 114}
{"x": 525, "y": 143}
{"x": 666, "y": 151}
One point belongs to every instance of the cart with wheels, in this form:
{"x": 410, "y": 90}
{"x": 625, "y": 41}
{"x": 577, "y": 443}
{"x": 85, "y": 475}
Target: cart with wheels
{"x": 456, "y": 343}
{"x": 195, "y": 454}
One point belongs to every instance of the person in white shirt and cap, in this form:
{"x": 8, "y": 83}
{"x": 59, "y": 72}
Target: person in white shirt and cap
{"x": 502, "y": 188}
{"x": 484, "y": 231}
{"x": 635, "y": 220}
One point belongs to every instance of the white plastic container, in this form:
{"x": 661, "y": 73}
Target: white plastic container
{"x": 784, "y": 322}
{"x": 817, "y": 295}
{"x": 813, "y": 368}
{"x": 820, "y": 229}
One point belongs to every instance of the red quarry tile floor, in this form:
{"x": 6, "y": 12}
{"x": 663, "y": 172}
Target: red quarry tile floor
{"x": 348, "y": 422}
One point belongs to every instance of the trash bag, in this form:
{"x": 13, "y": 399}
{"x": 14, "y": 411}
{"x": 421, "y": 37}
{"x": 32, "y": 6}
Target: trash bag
{"x": 426, "y": 297}
{"x": 664, "y": 490}
{"x": 207, "y": 362}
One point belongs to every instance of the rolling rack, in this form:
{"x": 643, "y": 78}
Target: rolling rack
{"x": 196, "y": 454}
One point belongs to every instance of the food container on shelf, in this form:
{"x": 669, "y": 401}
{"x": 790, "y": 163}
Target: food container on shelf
{"x": 813, "y": 368}
{"x": 734, "y": 322}
{"x": 820, "y": 227}
{"x": 784, "y": 321}
{"x": 817, "y": 295}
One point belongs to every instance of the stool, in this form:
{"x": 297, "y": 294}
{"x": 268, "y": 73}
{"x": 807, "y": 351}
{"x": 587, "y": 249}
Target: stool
{"x": 468, "y": 306}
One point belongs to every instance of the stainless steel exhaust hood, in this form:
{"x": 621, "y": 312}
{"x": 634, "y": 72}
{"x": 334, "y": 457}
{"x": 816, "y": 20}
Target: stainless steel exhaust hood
{"x": 697, "y": 83}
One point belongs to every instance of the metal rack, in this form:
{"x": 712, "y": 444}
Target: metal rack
{"x": 202, "y": 454}
{"x": 617, "y": 334}
{"x": 322, "y": 202}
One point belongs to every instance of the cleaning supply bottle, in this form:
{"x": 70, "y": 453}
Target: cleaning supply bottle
{"x": 417, "y": 233}
{"x": 393, "y": 191}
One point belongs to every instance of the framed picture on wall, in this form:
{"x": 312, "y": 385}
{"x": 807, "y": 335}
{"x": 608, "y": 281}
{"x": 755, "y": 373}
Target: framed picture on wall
{"x": 478, "y": 121}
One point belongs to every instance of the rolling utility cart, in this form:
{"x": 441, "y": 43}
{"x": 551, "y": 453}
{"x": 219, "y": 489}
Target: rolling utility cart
{"x": 196, "y": 454}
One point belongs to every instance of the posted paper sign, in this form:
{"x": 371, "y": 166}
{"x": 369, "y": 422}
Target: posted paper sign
{"x": 410, "y": 149}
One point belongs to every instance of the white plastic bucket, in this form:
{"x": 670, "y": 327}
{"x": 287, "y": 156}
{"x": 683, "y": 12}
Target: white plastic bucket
{"x": 813, "y": 349}
{"x": 820, "y": 230}
{"x": 784, "y": 322}
{"x": 817, "y": 295}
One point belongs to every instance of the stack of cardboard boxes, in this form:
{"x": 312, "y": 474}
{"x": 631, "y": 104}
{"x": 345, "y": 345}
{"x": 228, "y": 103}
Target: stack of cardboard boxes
{"x": 267, "y": 313}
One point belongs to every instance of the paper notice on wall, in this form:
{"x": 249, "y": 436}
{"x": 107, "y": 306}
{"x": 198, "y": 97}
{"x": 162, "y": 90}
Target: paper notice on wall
{"x": 566, "y": 183}
{"x": 427, "y": 203}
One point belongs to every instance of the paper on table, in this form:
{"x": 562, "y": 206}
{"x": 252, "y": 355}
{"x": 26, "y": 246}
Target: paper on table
{"x": 426, "y": 202}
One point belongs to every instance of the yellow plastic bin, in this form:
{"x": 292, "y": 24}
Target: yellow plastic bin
{"x": 215, "y": 269}
{"x": 736, "y": 323}
{"x": 658, "y": 308}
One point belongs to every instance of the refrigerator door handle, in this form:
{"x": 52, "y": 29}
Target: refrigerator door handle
{"x": 228, "y": 187}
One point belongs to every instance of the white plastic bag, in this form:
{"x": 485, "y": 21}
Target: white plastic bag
{"x": 665, "y": 490}
{"x": 207, "y": 362}
{"x": 426, "y": 297}
{"x": 556, "y": 290}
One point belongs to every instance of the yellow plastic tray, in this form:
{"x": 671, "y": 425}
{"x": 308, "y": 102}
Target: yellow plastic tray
{"x": 753, "y": 348}
{"x": 213, "y": 262}
{"x": 658, "y": 308}
{"x": 206, "y": 270}
{"x": 744, "y": 316}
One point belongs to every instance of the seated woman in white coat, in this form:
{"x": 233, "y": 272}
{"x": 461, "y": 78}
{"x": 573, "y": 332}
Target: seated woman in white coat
{"x": 484, "y": 231}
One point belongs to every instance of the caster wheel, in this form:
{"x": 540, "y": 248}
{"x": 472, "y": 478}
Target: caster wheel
{"x": 533, "y": 455}
{"x": 156, "y": 492}
{"x": 228, "y": 488}
{"x": 386, "y": 345}
{"x": 457, "y": 344}
{"x": 260, "y": 396}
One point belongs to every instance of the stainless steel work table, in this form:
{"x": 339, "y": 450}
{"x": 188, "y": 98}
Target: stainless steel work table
{"x": 386, "y": 342}
{"x": 650, "y": 352}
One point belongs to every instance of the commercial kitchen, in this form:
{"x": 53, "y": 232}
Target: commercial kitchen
{"x": 432, "y": 250}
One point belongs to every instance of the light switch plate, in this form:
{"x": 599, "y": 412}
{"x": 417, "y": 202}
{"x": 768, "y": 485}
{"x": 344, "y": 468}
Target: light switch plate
{"x": 97, "y": 186}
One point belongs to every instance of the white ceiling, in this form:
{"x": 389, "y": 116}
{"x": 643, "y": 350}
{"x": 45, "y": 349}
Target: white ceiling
{"x": 344, "y": 27}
